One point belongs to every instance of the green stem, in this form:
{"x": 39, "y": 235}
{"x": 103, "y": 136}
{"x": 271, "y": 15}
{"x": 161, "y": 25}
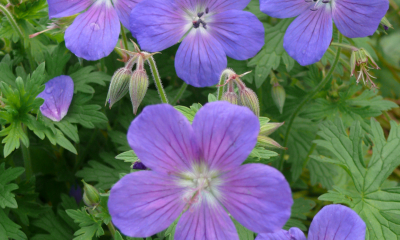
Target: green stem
{"x": 157, "y": 80}
{"x": 310, "y": 96}
{"x": 26, "y": 155}
{"x": 221, "y": 88}
{"x": 342, "y": 45}
{"x": 112, "y": 229}
{"x": 180, "y": 93}
{"x": 124, "y": 37}
{"x": 16, "y": 28}
{"x": 387, "y": 116}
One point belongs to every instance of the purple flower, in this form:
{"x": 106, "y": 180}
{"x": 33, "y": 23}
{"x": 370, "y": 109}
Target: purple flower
{"x": 196, "y": 170}
{"x": 310, "y": 34}
{"x": 333, "y": 222}
{"x": 76, "y": 192}
{"x": 94, "y": 33}
{"x": 139, "y": 166}
{"x": 212, "y": 30}
{"x": 57, "y": 97}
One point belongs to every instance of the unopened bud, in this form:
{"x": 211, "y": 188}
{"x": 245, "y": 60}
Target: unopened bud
{"x": 268, "y": 142}
{"x": 269, "y": 128}
{"x": 91, "y": 196}
{"x": 249, "y": 99}
{"x": 386, "y": 24}
{"x": 119, "y": 85}
{"x": 279, "y": 96}
{"x": 231, "y": 97}
{"x": 138, "y": 88}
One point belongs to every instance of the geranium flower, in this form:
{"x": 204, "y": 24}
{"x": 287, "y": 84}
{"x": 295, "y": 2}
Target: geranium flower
{"x": 94, "y": 33}
{"x": 196, "y": 171}
{"x": 333, "y": 222}
{"x": 211, "y": 30}
{"x": 57, "y": 97}
{"x": 309, "y": 35}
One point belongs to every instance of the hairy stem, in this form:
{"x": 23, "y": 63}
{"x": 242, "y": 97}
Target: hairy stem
{"x": 157, "y": 80}
{"x": 310, "y": 96}
{"x": 342, "y": 45}
{"x": 180, "y": 93}
{"x": 16, "y": 28}
{"x": 112, "y": 229}
{"x": 221, "y": 87}
{"x": 124, "y": 37}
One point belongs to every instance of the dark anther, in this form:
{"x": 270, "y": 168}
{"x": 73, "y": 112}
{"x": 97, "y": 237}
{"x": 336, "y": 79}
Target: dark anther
{"x": 196, "y": 24}
{"x": 207, "y": 10}
{"x": 200, "y": 14}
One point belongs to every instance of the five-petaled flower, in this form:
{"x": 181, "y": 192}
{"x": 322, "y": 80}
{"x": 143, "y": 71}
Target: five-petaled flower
{"x": 196, "y": 171}
{"x": 57, "y": 97}
{"x": 212, "y": 30}
{"x": 310, "y": 34}
{"x": 333, "y": 222}
{"x": 94, "y": 33}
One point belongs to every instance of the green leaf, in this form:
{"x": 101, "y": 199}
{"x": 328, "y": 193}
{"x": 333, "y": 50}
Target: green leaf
{"x": 56, "y": 228}
{"x": 8, "y": 229}
{"x": 85, "y": 76}
{"x": 57, "y": 60}
{"x": 89, "y": 225}
{"x": 272, "y": 53}
{"x": 244, "y": 233}
{"x": 105, "y": 174}
{"x": 379, "y": 207}
{"x": 261, "y": 154}
{"x": 14, "y": 134}
{"x": 86, "y": 115}
{"x": 128, "y": 156}
{"x": 7, "y": 199}
{"x": 300, "y": 208}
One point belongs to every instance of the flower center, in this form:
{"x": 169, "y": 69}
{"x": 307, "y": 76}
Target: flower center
{"x": 200, "y": 19}
{"x": 314, "y": 8}
{"x": 200, "y": 183}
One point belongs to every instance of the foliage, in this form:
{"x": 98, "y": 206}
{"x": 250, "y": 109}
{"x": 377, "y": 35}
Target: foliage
{"x": 341, "y": 146}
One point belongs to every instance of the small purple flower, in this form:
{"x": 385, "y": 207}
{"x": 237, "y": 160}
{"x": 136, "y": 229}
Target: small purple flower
{"x": 310, "y": 34}
{"x": 76, "y": 192}
{"x": 196, "y": 170}
{"x": 212, "y": 30}
{"x": 139, "y": 166}
{"x": 94, "y": 33}
{"x": 57, "y": 97}
{"x": 333, "y": 222}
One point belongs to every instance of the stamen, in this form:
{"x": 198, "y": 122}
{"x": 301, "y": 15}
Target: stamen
{"x": 200, "y": 14}
{"x": 207, "y": 10}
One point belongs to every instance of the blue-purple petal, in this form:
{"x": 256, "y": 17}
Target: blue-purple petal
{"x": 240, "y": 33}
{"x": 357, "y": 19}
{"x": 309, "y": 35}
{"x": 163, "y": 139}
{"x": 257, "y": 196}
{"x": 144, "y": 203}
{"x": 337, "y": 222}
{"x": 94, "y": 34}
{"x": 158, "y": 24}
{"x": 293, "y": 234}
{"x": 57, "y": 97}
{"x": 200, "y": 59}
{"x": 124, "y": 8}
{"x": 65, "y": 8}
{"x": 213, "y": 6}
{"x": 284, "y": 8}
{"x": 206, "y": 220}
{"x": 226, "y": 133}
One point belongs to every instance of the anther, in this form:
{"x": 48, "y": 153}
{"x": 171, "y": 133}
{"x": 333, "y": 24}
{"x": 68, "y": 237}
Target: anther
{"x": 200, "y": 14}
{"x": 207, "y": 10}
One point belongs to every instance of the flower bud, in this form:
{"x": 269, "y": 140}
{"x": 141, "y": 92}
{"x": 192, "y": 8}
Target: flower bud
{"x": 91, "y": 196}
{"x": 279, "y": 96}
{"x": 361, "y": 62}
{"x": 138, "y": 87}
{"x": 268, "y": 142}
{"x": 231, "y": 97}
{"x": 119, "y": 85}
{"x": 249, "y": 99}
{"x": 269, "y": 128}
{"x": 386, "y": 24}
